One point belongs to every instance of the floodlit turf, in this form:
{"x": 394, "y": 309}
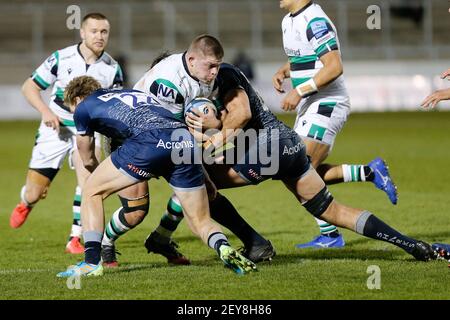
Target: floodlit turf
{"x": 416, "y": 147}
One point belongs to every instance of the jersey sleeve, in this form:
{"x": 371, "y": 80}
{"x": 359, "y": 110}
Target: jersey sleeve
{"x": 166, "y": 92}
{"x": 321, "y": 36}
{"x": 118, "y": 78}
{"x": 45, "y": 75}
{"x": 81, "y": 118}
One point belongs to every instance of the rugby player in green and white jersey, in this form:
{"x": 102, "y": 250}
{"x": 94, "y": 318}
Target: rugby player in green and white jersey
{"x": 56, "y": 133}
{"x": 314, "y": 65}
{"x": 173, "y": 81}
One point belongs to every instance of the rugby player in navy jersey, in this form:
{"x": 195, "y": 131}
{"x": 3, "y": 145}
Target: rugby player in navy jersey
{"x": 153, "y": 143}
{"x": 245, "y": 111}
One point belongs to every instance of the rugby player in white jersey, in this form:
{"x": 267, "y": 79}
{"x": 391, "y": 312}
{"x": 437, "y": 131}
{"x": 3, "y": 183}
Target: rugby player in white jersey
{"x": 314, "y": 65}
{"x": 56, "y": 133}
{"x": 173, "y": 81}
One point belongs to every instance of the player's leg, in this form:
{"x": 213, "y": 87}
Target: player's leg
{"x": 329, "y": 235}
{"x": 74, "y": 245}
{"x": 187, "y": 179}
{"x": 105, "y": 180}
{"x": 196, "y": 211}
{"x": 322, "y": 122}
{"x": 35, "y": 188}
{"x": 311, "y": 191}
{"x": 135, "y": 202}
{"x": 256, "y": 247}
{"x": 47, "y": 156}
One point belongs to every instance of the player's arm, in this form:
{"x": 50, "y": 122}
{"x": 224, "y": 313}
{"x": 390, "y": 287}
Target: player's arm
{"x": 32, "y": 92}
{"x": 237, "y": 115}
{"x": 446, "y": 74}
{"x": 279, "y": 76}
{"x": 322, "y": 39}
{"x": 332, "y": 69}
{"x": 86, "y": 149}
{"x": 41, "y": 79}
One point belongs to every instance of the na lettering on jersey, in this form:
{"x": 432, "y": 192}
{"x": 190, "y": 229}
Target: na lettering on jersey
{"x": 166, "y": 91}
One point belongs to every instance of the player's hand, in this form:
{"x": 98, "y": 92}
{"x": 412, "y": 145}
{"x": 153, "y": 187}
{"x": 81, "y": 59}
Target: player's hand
{"x": 446, "y": 74}
{"x": 203, "y": 121}
{"x": 50, "y": 120}
{"x": 277, "y": 81}
{"x": 435, "y": 97}
{"x": 291, "y": 101}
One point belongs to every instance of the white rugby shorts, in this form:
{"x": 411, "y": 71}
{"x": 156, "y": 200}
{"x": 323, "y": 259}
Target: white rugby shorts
{"x": 321, "y": 118}
{"x": 51, "y": 148}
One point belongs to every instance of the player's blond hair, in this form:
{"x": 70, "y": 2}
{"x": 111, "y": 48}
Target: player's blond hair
{"x": 95, "y": 16}
{"x": 208, "y": 45}
{"x": 80, "y": 87}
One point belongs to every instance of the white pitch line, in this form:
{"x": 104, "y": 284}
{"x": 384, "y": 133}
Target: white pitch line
{"x": 15, "y": 271}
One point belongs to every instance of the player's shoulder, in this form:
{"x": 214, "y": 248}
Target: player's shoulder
{"x": 109, "y": 60}
{"x": 170, "y": 71}
{"x": 169, "y": 66}
{"x": 315, "y": 13}
{"x": 228, "y": 69}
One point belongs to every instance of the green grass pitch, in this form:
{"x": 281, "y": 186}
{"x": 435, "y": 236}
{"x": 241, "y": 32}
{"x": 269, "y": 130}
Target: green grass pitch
{"x": 416, "y": 146}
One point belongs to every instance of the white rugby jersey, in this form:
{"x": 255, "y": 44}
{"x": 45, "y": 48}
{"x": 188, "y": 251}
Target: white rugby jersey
{"x": 307, "y": 35}
{"x": 68, "y": 63}
{"x": 170, "y": 85}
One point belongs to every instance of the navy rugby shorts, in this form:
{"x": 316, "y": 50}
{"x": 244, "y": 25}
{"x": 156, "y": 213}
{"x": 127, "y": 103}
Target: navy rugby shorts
{"x": 158, "y": 152}
{"x": 273, "y": 159}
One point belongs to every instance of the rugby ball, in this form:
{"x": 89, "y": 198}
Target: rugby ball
{"x": 200, "y": 105}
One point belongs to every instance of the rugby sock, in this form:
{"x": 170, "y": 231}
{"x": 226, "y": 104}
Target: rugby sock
{"x": 216, "y": 240}
{"x": 92, "y": 246}
{"x": 115, "y": 228}
{"x": 327, "y": 229}
{"x": 370, "y": 226}
{"x": 357, "y": 172}
{"x": 223, "y": 211}
{"x": 170, "y": 220}
{"x": 22, "y": 197}
{"x": 76, "y": 224}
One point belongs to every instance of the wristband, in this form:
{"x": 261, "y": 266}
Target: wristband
{"x": 307, "y": 88}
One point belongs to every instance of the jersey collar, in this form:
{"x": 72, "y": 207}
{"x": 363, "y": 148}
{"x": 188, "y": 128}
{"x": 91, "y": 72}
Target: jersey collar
{"x": 301, "y": 10}
{"x": 183, "y": 58}
{"x": 101, "y": 57}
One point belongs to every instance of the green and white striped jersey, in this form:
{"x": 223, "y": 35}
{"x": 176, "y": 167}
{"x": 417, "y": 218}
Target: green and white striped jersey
{"x": 308, "y": 34}
{"x": 171, "y": 86}
{"x": 68, "y": 63}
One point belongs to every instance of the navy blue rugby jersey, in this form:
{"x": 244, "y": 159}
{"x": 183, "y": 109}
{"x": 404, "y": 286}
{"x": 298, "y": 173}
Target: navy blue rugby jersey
{"x": 120, "y": 114}
{"x": 230, "y": 78}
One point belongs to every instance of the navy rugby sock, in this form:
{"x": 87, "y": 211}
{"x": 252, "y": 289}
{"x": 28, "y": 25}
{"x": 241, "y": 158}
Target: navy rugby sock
{"x": 92, "y": 246}
{"x": 216, "y": 240}
{"x": 223, "y": 211}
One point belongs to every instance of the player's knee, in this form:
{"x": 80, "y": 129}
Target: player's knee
{"x": 135, "y": 209}
{"x": 320, "y": 203}
{"x": 38, "y": 182}
{"x": 33, "y": 194}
